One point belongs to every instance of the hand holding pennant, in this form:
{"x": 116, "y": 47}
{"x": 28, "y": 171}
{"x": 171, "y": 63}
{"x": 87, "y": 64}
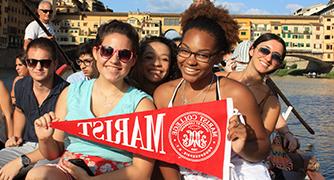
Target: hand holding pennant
{"x": 193, "y": 136}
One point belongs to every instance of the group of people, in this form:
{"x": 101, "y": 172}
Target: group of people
{"x": 119, "y": 75}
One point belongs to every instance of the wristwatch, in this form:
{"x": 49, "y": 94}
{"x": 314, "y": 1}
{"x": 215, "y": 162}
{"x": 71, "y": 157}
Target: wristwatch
{"x": 25, "y": 160}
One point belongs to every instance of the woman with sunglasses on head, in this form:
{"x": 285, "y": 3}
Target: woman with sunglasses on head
{"x": 208, "y": 34}
{"x": 156, "y": 65}
{"x": 109, "y": 94}
{"x": 266, "y": 56}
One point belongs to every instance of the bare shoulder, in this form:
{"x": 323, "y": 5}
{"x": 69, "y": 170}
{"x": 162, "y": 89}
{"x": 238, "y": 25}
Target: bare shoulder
{"x": 164, "y": 93}
{"x": 235, "y": 90}
{"x": 145, "y": 104}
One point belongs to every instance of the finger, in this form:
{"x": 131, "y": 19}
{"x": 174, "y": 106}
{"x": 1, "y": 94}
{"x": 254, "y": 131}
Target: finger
{"x": 47, "y": 117}
{"x": 52, "y": 115}
{"x": 69, "y": 167}
{"x": 19, "y": 141}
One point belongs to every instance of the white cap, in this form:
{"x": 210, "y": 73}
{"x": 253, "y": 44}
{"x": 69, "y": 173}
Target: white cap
{"x": 241, "y": 52}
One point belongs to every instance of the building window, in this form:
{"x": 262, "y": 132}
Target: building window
{"x": 307, "y": 29}
{"x": 171, "y": 21}
{"x": 308, "y": 45}
{"x": 328, "y": 19}
{"x": 295, "y": 29}
{"x": 276, "y": 27}
{"x": 328, "y": 56}
{"x": 308, "y": 37}
{"x": 243, "y": 33}
{"x": 327, "y": 37}
{"x": 285, "y": 28}
{"x": 317, "y": 36}
{"x": 318, "y": 28}
{"x": 328, "y": 28}
{"x": 328, "y": 46}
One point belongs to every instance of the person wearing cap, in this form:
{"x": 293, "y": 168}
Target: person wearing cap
{"x": 239, "y": 59}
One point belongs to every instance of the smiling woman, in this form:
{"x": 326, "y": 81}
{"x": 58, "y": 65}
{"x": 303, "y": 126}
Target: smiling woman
{"x": 156, "y": 64}
{"x": 115, "y": 54}
{"x": 208, "y": 34}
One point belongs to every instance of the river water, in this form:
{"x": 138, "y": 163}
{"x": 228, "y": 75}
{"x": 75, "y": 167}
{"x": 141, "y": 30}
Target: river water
{"x": 312, "y": 98}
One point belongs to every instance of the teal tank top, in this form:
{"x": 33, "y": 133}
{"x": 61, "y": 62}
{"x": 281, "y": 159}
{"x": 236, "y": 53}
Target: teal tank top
{"x": 78, "y": 107}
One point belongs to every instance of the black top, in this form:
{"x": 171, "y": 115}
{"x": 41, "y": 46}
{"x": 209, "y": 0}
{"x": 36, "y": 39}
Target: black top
{"x": 27, "y": 102}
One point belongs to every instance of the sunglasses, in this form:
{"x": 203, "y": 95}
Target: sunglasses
{"x": 274, "y": 55}
{"x": 124, "y": 55}
{"x": 45, "y": 11}
{"x": 45, "y": 63}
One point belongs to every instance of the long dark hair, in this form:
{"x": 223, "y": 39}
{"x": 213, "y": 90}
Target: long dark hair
{"x": 173, "y": 70}
{"x": 120, "y": 27}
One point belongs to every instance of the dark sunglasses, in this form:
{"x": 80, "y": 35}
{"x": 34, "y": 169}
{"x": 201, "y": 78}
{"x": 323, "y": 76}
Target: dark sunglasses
{"x": 43, "y": 62}
{"x": 123, "y": 55}
{"x": 274, "y": 55}
{"x": 45, "y": 11}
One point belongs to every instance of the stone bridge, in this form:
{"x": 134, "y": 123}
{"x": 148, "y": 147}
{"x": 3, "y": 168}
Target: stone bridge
{"x": 312, "y": 62}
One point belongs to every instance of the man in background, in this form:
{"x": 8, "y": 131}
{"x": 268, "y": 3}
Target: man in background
{"x": 33, "y": 30}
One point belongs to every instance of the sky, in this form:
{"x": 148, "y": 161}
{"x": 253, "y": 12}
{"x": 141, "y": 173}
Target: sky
{"x": 268, "y": 7}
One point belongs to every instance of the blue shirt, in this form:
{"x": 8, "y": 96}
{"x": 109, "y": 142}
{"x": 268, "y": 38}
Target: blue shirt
{"x": 27, "y": 102}
{"x": 79, "y": 107}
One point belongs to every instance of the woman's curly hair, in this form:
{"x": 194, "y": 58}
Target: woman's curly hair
{"x": 215, "y": 20}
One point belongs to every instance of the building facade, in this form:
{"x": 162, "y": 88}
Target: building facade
{"x": 302, "y": 34}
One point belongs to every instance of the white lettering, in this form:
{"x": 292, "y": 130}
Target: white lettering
{"x": 157, "y": 133}
{"x": 84, "y": 128}
{"x": 136, "y": 131}
{"x": 123, "y": 131}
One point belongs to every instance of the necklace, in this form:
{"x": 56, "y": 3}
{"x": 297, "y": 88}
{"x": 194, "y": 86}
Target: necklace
{"x": 111, "y": 99}
{"x": 206, "y": 89}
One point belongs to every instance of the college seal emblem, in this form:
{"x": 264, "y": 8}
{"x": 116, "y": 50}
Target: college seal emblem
{"x": 194, "y": 136}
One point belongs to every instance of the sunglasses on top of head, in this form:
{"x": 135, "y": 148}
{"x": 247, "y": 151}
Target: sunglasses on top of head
{"x": 45, "y": 11}
{"x": 274, "y": 55}
{"x": 43, "y": 62}
{"x": 124, "y": 55}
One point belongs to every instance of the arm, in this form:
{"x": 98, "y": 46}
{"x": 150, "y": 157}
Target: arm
{"x": 257, "y": 143}
{"x": 51, "y": 142}
{"x": 289, "y": 141}
{"x": 19, "y": 123}
{"x": 6, "y": 107}
{"x": 25, "y": 44}
{"x": 270, "y": 113}
{"x": 12, "y": 168}
{"x": 12, "y": 93}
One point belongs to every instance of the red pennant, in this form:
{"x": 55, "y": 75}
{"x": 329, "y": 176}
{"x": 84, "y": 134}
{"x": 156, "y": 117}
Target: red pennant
{"x": 192, "y": 136}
